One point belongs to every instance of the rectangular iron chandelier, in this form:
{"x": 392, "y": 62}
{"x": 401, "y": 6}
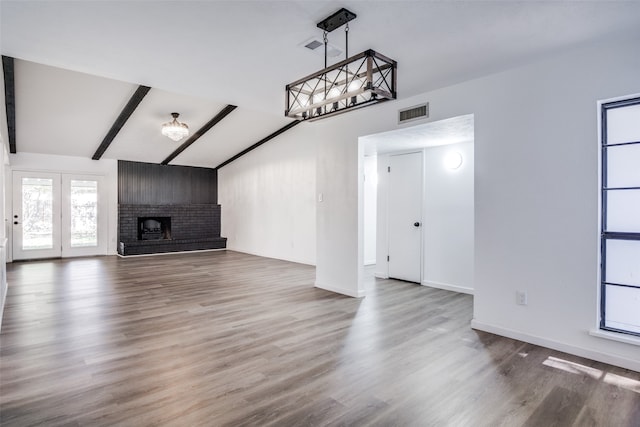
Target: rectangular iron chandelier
{"x": 363, "y": 79}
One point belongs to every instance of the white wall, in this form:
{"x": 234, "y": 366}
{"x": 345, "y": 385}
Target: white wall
{"x": 4, "y": 160}
{"x": 537, "y": 198}
{"x": 268, "y": 200}
{"x": 3, "y": 241}
{"x": 79, "y": 165}
{"x": 447, "y": 219}
{"x": 370, "y": 208}
{"x": 536, "y": 193}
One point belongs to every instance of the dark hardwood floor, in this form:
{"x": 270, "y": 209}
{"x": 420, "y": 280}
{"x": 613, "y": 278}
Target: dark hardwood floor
{"x": 228, "y": 339}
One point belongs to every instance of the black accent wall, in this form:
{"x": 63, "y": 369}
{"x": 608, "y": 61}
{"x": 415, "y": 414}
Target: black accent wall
{"x": 188, "y": 195}
{"x": 153, "y": 184}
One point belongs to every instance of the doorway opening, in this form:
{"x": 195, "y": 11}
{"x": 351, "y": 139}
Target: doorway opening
{"x": 430, "y": 240}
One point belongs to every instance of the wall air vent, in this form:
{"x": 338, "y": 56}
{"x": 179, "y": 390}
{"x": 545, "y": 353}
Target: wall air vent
{"x": 413, "y": 113}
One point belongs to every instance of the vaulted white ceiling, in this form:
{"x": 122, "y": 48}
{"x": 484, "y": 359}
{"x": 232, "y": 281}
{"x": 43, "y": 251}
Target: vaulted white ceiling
{"x": 199, "y": 56}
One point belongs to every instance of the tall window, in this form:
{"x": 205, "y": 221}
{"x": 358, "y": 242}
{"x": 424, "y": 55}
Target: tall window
{"x": 620, "y": 217}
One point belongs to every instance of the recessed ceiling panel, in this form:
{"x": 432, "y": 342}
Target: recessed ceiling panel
{"x": 64, "y": 112}
{"x": 141, "y": 139}
{"x": 239, "y": 130}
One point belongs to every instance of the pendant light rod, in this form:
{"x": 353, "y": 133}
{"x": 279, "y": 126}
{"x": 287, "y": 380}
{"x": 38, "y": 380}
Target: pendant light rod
{"x": 330, "y": 23}
{"x": 346, "y": 42}
{"x": 326, "y": 41}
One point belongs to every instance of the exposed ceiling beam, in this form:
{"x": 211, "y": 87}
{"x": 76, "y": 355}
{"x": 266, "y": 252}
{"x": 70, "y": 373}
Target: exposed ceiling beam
{"x": 211, "y": 123}
{"x": 126, "y": 112}
{"x": 259, "y": 143}
{"x": 10, "y": 100}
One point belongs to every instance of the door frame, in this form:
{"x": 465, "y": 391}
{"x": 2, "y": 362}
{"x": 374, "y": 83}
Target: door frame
{"x": 16, "y": 189}
{"x": 382, "y": 265}
{"x": 106, "y": 210}
{"x": 101, "y": 248}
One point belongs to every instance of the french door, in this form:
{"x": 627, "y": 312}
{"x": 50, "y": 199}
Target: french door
{"x": 58, "y": 215}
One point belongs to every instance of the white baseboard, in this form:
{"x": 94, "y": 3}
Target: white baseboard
{"x": 611, "y": 359}
{"x": 343, "y": 291}
{"x": 448, "y": 287}
{"x": 290, "y": 259}
{"x": 380, "y": 275}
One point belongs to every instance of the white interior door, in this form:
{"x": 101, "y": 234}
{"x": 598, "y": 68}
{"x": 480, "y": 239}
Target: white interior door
{"x": 58, "y": 215}
{"x": 405, "y": 216}
{"x": 36, "y": 215}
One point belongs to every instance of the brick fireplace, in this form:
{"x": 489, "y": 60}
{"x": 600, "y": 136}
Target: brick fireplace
{"x": 167, "y": 209}
{"x": 192, "y": 227}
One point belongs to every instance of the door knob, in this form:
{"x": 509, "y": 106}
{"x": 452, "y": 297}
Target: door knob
{"x": 416, "y": 224}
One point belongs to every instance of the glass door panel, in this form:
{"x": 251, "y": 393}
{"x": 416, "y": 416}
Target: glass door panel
{"x": 37, "y": 213}
{"x": 84, "y": 227}
{"x": 84, "y": 213}
{"x": 36, "y": 216}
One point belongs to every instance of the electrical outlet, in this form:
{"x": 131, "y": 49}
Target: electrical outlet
{"x": 521, "y": 297}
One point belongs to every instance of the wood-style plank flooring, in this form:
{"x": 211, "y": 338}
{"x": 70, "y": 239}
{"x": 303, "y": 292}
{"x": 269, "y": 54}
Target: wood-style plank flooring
{"x": 229, "y": 339}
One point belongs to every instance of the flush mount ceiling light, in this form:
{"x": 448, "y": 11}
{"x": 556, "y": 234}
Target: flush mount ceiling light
{"x": 174, "y": 129}
{"x": 363, "y": 79}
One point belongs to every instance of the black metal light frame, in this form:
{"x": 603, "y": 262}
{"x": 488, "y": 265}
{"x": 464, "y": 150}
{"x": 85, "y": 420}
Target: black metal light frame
{"x": 363, "y": 79}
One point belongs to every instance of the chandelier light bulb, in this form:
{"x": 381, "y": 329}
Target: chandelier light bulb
{"x": 355, "y": 84}
{"x": 334, "y": 93}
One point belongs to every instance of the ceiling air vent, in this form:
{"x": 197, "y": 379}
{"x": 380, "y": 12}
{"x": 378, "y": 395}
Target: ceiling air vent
{"x": 317, "y": 45}
{"x": 313, "y": 44}
{"x": 413, "y": 113}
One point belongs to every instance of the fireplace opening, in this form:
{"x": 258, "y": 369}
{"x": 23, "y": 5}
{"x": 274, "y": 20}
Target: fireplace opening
{"x": 154, "y": 228}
